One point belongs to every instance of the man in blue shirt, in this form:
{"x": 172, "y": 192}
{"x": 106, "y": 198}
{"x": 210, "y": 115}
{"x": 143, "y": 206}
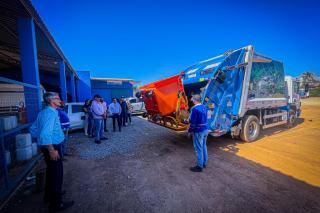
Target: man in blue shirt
{"x": 50, "y": 136}
{"x": 198, "y": 128}
{"x": 115, "y": 111}
{"x": 65, "y": 126}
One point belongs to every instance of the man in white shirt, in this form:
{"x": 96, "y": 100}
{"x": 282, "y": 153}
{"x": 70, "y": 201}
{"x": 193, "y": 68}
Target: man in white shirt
{"x": 115, "y": 111}
{"x": 98, "y": 113}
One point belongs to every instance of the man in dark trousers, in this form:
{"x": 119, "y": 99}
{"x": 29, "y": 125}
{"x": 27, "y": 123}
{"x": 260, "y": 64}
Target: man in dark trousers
{"x": 124, "y": 111}
{"x": 48, "y": 130}
{"x": 65, "y": 126}
{"x": 115, "y": 111}
{"x": 198, "y": 129}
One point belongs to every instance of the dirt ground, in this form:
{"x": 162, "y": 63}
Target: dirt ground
{"x": 147, "y": 170}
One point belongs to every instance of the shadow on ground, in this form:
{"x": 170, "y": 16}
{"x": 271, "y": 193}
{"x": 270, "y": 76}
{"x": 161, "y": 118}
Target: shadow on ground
{"x": 154, "y": 176}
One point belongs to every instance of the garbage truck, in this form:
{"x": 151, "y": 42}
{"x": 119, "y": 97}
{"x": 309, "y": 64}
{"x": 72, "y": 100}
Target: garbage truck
{"x": 244, "y": 92}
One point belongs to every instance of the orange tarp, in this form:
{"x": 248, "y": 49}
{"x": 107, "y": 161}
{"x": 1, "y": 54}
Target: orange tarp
{"x": 164, "y": 98}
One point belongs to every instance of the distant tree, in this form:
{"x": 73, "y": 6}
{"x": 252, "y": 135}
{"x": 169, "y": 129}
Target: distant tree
{"x": 309, "y": 77}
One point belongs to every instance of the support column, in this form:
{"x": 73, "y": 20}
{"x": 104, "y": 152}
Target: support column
{"x": 63, "y": 82}
{"x": 29, "y": 66}
{"x": 72, "y": 87}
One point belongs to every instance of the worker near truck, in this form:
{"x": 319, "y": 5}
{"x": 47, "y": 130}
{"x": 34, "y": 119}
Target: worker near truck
{"x": 198, "y": 129}
{"x": 47, "y": 129}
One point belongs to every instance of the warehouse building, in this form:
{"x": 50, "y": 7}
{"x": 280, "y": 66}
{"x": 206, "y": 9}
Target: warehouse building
{"x": 110, "y": 88}
{"x": 30, "y": 63}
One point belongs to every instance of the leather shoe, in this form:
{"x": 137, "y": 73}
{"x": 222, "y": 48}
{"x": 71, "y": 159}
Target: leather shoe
{"x": 46, "y": 198}
{"x": 196, "y": 169}
{"x": 97, "y": 141}
{"x": 62, "y": 206}
{"x": 104, "y": 138}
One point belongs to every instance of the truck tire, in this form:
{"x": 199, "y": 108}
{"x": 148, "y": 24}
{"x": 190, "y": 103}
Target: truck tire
{"x": 144, "y": 115}
{"x": 250, "y": 128}
{"x": 292, "y": 118}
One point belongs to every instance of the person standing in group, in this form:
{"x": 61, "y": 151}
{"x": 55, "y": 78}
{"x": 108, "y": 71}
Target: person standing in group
{"x": 91, "y": 128}
{"x": 86, "y": 109}
{"x": 115, "y": 111}
{"x": 198, "y": 129}
{"x": 48, "y": 130}
{"x": 98, "y": 114}
{"x": 65, "y": 126}
{"x": 124, "y": 110}
{"x": 130, "y": 110}
{"x": 105, "y": 106}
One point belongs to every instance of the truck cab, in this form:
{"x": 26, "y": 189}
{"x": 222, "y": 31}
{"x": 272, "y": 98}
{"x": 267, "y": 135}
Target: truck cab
{"x": 294, "y": 102}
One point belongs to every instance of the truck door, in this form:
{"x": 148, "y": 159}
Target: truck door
{"x": 222, "y": 95}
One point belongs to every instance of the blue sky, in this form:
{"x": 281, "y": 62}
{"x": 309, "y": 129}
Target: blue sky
{"x": 150, "y": 40}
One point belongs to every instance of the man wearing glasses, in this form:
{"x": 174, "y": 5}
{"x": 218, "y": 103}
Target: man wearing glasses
{"x": 48, "y": 130}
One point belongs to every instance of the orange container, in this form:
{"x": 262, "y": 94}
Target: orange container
{"x": 162, "y": 97}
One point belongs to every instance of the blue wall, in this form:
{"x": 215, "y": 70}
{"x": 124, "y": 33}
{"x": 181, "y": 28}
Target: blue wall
{"x": 83, "y": 86}
{"x": 109, "y": 90}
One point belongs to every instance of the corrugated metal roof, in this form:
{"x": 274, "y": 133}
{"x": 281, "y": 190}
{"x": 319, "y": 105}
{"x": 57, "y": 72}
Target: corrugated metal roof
{"x": 48, "y": 50}
{"x": 33, "y": 12}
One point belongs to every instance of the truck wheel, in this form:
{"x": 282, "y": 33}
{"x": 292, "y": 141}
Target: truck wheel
{"x": 250, "y": 128}
{"x": 292, "y": 118}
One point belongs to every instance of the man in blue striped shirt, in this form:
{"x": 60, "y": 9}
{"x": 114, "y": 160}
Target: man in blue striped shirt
{"x": 198, "y": 129}
{"x": 48, "y": 130}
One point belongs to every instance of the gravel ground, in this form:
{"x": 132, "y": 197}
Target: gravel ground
{"x": 117, "y": 143}
{"x": 145, "y": 168}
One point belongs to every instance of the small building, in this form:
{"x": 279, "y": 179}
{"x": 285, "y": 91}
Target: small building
{"x": 110, "y": 88}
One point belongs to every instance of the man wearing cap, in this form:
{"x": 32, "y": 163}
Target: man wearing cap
{"x": 98, "y": 113}
{"x": 198, "y": 129}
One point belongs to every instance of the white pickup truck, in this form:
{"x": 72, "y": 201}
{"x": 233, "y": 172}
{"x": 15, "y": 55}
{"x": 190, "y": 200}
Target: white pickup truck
{"x": 75, "y": 114}
{"x": 138, "y": 105}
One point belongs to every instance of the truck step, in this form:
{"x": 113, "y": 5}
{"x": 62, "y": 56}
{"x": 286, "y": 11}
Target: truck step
{"x": 275, "y": 115}
{"x": 274, "y": 124}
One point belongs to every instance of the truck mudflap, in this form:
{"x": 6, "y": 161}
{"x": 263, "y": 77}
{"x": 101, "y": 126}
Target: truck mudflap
{"x": 166, "y": 103}
{"x": 222, "y": 95}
